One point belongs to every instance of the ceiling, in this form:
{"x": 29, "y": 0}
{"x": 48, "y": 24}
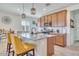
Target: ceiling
{"x": 41, "y": 8}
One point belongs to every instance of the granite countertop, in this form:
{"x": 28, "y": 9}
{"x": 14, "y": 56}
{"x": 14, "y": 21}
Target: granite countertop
{"x": 27, "y": 36}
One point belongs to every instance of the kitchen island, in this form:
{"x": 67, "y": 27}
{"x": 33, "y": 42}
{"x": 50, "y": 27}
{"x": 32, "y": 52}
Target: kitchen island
{"x": 44, "y": 43}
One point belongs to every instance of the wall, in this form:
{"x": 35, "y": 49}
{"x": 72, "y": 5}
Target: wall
{"x": 77, "y": 25}
{"x": 15, "y": 21}
{"x": 76, "y": 22}
{"x": 73, "y": 30}
{"x": 14, "y": 24}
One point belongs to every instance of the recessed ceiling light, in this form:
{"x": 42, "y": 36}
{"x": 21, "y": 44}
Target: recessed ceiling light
{"x": 44, "y": 9}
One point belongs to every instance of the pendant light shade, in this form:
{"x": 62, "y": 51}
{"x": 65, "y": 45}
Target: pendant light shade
{"x": 23, "y": 14}
{"x": 33, "y": 10}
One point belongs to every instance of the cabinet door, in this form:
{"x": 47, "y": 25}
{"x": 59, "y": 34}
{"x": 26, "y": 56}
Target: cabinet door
{"x": 54, "y": 20}
{"x": 60, "y": 40}
{"x": 61, "y": 18}
{"x": 42, "y": 21}
{"x": 50, "y": 20}
{"x": 50, "y": 46}
{"x": 46, "y": 19}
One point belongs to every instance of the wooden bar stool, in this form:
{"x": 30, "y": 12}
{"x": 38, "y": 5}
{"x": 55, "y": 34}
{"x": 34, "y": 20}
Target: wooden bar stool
{"x": 21, "y": 48}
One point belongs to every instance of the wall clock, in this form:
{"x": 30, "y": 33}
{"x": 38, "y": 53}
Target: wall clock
{"x": 6, "y": 20}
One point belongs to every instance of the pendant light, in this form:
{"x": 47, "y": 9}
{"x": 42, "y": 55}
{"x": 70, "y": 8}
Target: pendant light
{"x": 33, "y": 10}
{"x": 23, "y": 14}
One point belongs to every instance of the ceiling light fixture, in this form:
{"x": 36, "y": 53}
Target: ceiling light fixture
{"x": 23, "y": 14}
{"x": 47, "y": 4}
{"x": 33, "y": 10}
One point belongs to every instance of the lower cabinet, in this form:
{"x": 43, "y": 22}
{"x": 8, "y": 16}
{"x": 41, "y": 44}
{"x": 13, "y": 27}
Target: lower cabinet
{"x": 50, "y": 46}
{"x": 60, "y": 40}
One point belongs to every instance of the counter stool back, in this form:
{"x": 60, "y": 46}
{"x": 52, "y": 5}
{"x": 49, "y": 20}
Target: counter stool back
{"x": 21, "y": 48}
{"x": 9, "y": 44}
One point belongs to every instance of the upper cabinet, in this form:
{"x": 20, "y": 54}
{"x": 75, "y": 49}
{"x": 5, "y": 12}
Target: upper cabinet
{"x": 57, "y": 19}
{"x": 46, "y": 19}
{"x": 49, "y": 20}
{"x": 61, "y": 16}
{"x": 54, "y": 20}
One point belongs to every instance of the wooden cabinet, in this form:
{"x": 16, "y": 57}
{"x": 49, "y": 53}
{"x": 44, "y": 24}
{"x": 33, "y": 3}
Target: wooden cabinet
{"x": 54, "y": 20}
{"x": 50, "y": 46}
{"x": 49, "y": 20}
{"x": 60, "y": 40}
{"x": 46, "y": 19}
{"x": 42, "y": 21}
{"x": 61, "y": 16}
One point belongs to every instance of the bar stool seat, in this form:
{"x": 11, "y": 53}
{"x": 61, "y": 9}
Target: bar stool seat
{"x": 21, "y": 48}
{"x": 29, "y": 46}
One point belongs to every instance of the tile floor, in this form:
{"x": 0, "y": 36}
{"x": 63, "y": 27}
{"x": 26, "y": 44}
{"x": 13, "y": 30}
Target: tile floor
{"x": 59, "y": 51}
{"x": 67, "y": 51}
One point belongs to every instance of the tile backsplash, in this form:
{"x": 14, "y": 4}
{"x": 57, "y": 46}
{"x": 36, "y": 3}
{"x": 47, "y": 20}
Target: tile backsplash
{"x": 53, "y": 29}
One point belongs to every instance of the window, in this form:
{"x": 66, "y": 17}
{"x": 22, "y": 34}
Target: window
{"x": 26, "y": 25}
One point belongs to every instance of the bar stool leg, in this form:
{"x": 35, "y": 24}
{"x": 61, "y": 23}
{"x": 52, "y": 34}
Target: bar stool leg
{"x": 33, "y": 52}
{"x": 13, "y": 53}
{"x": 9, "y": 47}
{"x": 27, "y": 54}
{"x": 8, "y": 50}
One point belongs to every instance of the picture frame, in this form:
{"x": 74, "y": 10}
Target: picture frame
{"x": 71, "y": 23}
